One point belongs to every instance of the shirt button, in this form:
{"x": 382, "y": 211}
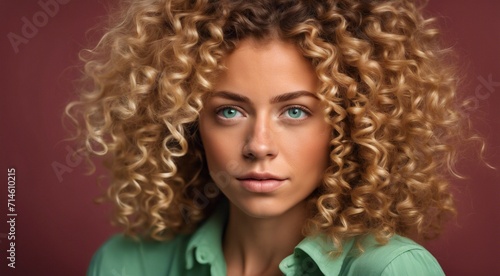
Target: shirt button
{"x": 308, "y": 265}
{"x": 204, "y": 256}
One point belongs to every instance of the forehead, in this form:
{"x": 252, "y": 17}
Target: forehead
{"x": 272, "y": 64}
{"x": 271, "y": 54}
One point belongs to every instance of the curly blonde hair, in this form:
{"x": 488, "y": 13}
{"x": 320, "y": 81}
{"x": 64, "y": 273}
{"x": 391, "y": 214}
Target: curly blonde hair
{"x": 389, "y": 87}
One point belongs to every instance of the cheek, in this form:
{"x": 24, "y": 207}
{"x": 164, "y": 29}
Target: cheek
{"x": 315, "y": 163}
{"x": 219, "y": 150}
{"x": 213, "y": 150}
{"x": 220, "y": 159}
{"x": 310, "y": 149}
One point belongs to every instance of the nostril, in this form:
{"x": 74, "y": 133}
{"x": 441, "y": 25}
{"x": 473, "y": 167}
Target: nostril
{"x": 248, "y": 155}
{"x": 258, "y": 150}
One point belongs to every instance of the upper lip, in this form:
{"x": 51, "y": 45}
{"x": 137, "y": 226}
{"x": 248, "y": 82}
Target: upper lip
{"x": 260, "y": 176}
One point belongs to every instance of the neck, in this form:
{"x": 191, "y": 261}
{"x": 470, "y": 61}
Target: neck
{"x": 256, "y": 246}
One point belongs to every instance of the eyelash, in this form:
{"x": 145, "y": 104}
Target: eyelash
{"x": 238, "y": 109}
{"x": 220, "y": 109}
{"x": 301, "y": 108}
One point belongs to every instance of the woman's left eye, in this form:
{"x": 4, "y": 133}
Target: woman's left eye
{"x": 296, "y": 113}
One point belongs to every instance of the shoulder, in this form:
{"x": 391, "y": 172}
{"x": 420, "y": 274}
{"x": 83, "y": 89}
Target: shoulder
{"x": 121, "y": 255}
{"x": 400, "y": 256}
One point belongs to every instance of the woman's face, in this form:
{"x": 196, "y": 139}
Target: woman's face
{"x": 263, "y": 129}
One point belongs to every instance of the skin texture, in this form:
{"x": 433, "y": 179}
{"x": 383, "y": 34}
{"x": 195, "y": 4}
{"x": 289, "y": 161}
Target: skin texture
{"x": 263, "y": 121}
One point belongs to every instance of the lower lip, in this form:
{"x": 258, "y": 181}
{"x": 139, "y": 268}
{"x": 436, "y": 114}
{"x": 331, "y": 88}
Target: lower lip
{"x": 261, "y": 186}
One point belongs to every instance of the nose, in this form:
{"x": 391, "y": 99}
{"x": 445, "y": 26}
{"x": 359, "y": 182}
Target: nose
{"x": 260, "y": 143}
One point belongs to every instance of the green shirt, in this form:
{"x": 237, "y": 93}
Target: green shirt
{"x": 201, "y": 254}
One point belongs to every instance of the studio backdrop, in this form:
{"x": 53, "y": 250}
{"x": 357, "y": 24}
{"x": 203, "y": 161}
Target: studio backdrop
{"x": 51, "y": 226}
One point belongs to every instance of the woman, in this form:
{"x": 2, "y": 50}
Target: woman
{"x": 271, "y": 137}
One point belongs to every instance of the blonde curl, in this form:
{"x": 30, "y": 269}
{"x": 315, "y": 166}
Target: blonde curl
{"x": 388, "y": 85}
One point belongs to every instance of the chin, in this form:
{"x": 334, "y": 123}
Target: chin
{"x": 263, "y": 207}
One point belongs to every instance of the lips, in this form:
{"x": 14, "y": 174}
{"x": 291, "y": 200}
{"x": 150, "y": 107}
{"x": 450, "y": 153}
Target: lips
{"x": 261, "y": 182}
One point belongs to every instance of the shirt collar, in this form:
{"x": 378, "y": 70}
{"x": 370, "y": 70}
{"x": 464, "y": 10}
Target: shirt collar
{"x": 315, "y": 252}
{"x": 310, "y": 254}
{"x": 206, "y": 243}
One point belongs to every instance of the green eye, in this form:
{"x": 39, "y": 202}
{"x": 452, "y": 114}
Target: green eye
{"x": 295, "y": 113}
{"x": 229, "y": 112}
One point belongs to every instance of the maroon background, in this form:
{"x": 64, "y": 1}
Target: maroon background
{"x": 59, "y": 227}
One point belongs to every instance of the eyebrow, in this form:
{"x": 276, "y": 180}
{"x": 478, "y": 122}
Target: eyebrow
{"x": 277, "y": 99}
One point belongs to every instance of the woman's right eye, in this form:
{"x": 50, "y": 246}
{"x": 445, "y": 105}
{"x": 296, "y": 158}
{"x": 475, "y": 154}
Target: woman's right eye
{"x": 228, "y": 113}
